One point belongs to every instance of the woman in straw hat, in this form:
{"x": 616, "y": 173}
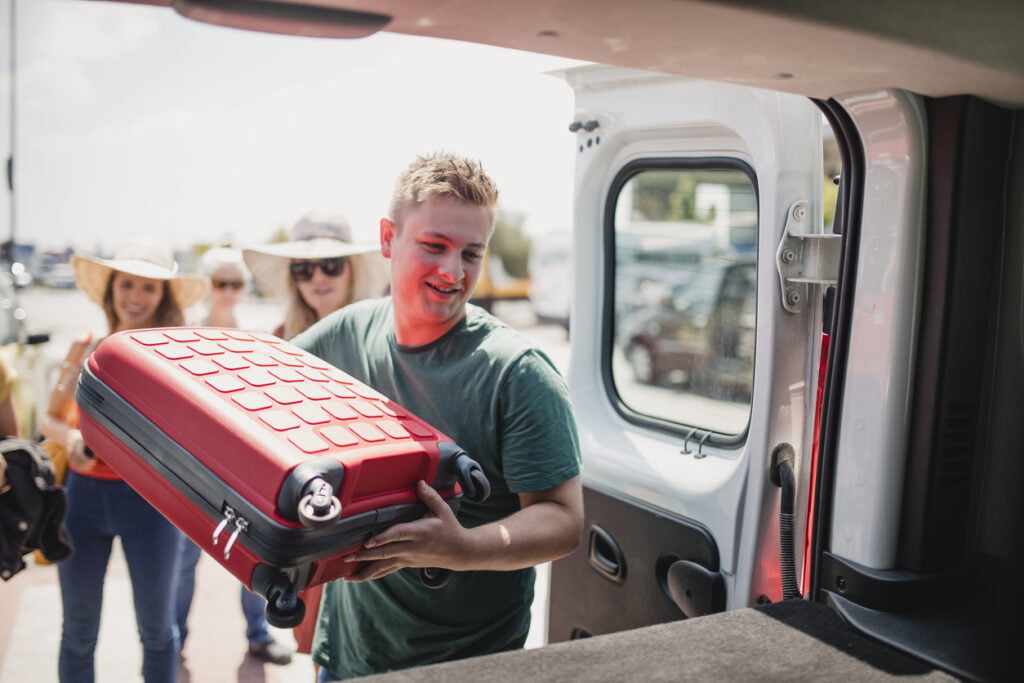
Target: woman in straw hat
{"x": 318, "y": 272}
{"x": 140, "y": 287}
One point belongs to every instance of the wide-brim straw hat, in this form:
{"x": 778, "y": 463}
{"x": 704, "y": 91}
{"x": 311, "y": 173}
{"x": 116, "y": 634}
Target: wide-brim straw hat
{"x": 315, "y": 237}
{"x": 143, "y": 260}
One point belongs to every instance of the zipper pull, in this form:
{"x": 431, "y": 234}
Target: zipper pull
{"x": 229, "y": 515}
{"x": 241, "y": 525}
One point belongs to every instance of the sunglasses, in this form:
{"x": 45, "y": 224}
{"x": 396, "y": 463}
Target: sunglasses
{"x": 304, "y": 270}
{"x": 227, "y": 284}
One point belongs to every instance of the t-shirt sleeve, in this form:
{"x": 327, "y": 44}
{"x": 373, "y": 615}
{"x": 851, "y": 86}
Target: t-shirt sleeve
{"x": 314, "y": 339}
{"x": 539, "y": 442}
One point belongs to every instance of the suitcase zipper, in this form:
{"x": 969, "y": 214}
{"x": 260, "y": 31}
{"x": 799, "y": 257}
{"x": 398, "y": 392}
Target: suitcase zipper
{"x": 241, "y": 526}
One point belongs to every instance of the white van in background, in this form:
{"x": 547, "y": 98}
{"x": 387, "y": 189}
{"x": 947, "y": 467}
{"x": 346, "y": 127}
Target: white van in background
{"x": 551, "y": 277}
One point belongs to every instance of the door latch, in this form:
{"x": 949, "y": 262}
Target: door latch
{"x": 805, "y": 259}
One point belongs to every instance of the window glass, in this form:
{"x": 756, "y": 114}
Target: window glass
{"x": 685, "y": 294}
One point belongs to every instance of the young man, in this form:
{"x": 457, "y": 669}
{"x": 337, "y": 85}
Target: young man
{"x": 496, "y": 395}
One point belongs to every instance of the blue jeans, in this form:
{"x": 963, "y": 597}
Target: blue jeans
{"x": 323, "y": 675}
{"x": 252, "y": 605}
{"x": 99, "y": 510}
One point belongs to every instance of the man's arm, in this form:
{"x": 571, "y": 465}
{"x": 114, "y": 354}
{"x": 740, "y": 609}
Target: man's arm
{"x": 547, "y": 526}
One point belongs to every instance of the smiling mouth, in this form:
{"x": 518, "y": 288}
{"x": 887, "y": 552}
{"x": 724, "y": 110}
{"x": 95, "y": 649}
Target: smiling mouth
{"x": 447, "y": 291}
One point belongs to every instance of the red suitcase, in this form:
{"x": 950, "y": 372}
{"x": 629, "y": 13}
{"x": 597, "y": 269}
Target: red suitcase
{"x": 274, "y": 462}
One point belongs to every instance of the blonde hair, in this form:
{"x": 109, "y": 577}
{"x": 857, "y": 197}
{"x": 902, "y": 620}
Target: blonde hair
{"x": 299, "y": 315}
{"x": 442, "y": 175}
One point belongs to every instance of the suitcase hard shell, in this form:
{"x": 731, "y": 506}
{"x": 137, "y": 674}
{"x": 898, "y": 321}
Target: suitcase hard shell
{"x": 273, "y": 461}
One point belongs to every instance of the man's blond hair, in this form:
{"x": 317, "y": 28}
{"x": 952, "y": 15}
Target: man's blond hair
{"x": 442, "y": 175}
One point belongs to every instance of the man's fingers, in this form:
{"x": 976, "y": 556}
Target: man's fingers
{"x": 408, "y": 531}
{"x": 432, "y": 499}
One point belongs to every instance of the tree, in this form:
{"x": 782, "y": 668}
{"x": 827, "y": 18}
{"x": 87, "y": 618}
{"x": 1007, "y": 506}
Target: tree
{"x": 510, "y": 244}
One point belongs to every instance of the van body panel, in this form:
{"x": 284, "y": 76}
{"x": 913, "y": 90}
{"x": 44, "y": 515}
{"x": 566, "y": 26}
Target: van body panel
{"x": 877, "y": 399}
{"x": 715, "y": 481}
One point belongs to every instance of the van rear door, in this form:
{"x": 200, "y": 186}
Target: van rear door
{"x": 692, "y": 359}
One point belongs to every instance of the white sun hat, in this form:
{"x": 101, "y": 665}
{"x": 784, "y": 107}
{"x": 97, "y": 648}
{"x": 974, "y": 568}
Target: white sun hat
{"x": 143, "y": 260}
{"x": 318, "y": 236}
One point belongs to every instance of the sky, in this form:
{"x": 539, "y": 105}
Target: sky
{"x": 132, "y": 121}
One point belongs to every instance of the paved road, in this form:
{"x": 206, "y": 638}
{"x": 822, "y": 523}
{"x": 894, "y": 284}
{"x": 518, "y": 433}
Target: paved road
{"x": 30, "y": 609}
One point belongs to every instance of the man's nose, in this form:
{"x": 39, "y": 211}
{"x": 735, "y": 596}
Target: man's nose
{"x": 451, "y": 267}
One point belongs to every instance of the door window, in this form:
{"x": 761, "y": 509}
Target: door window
{"x": 685, "y": 296}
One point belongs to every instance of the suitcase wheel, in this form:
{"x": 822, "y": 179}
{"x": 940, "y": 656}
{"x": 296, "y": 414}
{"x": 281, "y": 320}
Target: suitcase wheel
{"x": 434, "y": 577}
{"x": 319, "y": 507}
{"x": 472, "y": 478}
{"x": 285, "y": 609}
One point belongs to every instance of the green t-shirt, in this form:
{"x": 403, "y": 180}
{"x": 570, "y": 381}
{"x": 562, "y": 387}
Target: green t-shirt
{"x": 505, "y": 404}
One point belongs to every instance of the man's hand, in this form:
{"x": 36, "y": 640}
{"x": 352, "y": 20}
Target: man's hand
{"x": 435, "y": 540}
{"x": 547, "y": 526}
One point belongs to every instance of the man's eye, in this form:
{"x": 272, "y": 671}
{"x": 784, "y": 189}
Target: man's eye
{"x": 471, "y": 255}
{"x": 434, "y": 246}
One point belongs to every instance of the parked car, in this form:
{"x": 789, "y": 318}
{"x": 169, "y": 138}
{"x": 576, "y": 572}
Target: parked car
{"x": 59, "y": 276}
{"x": 701, "y": 335}
{"x": 495, "y": 284}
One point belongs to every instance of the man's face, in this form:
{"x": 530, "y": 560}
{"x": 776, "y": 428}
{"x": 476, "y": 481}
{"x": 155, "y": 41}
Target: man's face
{"x": 436, "y": 256}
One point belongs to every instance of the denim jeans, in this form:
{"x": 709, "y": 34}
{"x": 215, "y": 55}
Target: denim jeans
{"x": 99, "y": 510}
{"x": 323, "y": 675}
{"x": 252, "y": 605}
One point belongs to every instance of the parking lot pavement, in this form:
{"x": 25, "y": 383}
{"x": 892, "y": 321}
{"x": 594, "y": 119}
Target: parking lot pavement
{"x": 216, "y": 651}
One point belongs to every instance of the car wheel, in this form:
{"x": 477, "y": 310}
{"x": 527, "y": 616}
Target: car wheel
{"x": 641, "y": 359}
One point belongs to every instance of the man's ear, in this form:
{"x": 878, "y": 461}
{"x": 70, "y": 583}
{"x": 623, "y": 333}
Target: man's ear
{"x": 387, "y": 233}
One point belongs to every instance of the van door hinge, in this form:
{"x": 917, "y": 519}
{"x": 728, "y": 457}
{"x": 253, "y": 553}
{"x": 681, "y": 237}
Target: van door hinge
{"x": 805, "y": 259}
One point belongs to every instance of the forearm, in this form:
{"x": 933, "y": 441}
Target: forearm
{"x": 539, "y": 533}
{"x": 58, "y": 424}
{"x": 547, "y": 526}
{"x": 9, "y": 418}
{"x": 56, "y": 429}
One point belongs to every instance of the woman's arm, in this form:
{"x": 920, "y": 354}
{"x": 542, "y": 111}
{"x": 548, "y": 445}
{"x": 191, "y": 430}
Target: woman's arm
{"x": 56, "y": 424}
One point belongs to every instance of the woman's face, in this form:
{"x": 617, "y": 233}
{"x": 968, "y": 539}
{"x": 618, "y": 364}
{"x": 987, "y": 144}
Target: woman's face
{"x": 325, "y": 293}
{"x": 136, "y": 300}
{"x": 226, "y": 288}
